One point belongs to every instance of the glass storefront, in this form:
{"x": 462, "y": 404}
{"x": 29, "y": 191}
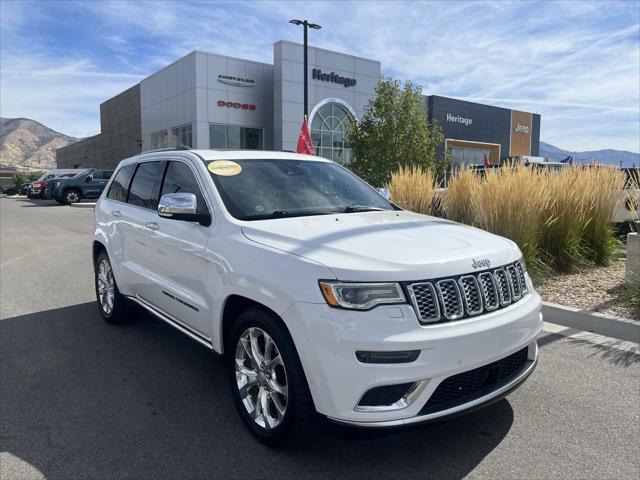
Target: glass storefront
{"x": 329, "y": 132}
{"x": 182, "y": 136}
{"x": 235, "y": 138}
{"x": 159, "y": 140}
{"x": 469, "y": 156}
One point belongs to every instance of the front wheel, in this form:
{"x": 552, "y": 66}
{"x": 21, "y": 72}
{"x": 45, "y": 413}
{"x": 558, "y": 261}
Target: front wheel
{"x": 267, "y": 380}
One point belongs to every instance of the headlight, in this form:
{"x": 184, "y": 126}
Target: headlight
{"x": 361, "y": 296}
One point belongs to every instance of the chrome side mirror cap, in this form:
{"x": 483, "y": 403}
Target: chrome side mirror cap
{"x": 182, "y": 206}
{"x": 384, "y": 192}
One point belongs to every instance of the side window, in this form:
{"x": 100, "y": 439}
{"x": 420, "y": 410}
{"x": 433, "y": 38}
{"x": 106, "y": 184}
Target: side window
{"x": 145, "y": 185}
{"x": 179, "y": 179}
{"x": 102, "y": 175}
{"x": 120, "y": 185}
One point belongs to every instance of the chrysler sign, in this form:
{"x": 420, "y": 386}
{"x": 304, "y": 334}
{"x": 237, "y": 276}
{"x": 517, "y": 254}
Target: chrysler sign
{"x": 332, "y": 77}
{"x": 236, "y": 81}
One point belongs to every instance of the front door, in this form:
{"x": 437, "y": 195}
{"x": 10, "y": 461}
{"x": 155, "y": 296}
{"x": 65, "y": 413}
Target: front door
{"x": 175, "y": 256}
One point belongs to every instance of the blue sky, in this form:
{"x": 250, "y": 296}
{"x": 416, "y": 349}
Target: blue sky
{"x": 576, "y": 63}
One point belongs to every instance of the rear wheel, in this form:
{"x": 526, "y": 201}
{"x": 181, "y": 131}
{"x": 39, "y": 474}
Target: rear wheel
{"x": 72, "y": 196}
{"x": 267, "y": 380}
{"x": 111, "y": 303}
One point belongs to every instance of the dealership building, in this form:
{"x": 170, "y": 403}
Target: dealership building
{"x": 205, "y": 100}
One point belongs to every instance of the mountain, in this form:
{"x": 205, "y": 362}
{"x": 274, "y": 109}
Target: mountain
{"x": 614, "y": 157}
{"x": 27, "y": 143}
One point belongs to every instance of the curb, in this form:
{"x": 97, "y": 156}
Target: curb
{"x": 586, "y": 320}
{"x": 84, "y": 205}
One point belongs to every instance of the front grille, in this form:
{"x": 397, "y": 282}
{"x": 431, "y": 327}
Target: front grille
{"x": 455, "y": 298}
{"x": 468, "y": 386}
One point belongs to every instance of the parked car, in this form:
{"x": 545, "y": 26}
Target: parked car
{"x": 325, "y": 297}
{"x": 38, "y": 187}
{"x": 9, "y": 190}
{"x": 24, "y": 188}
{"x": 88, "y": 183}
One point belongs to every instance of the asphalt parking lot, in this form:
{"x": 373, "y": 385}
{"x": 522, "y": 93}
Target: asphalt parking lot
{"x": 82, "y": 399}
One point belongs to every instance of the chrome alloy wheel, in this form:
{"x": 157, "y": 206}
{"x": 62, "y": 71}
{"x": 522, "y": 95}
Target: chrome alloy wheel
{"x": 73, "y": 197}
{"x": 106, "y": 287}
{"x": 261, "y": 378}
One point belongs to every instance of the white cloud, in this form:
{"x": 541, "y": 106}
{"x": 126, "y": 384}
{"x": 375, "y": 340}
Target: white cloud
{"x": 575, "y": 63}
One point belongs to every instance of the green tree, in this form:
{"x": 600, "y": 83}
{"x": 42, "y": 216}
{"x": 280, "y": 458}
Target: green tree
{"x": 394, "y": 131}
{"x": 18, "y": 178}
{"x": 33, "y": 176}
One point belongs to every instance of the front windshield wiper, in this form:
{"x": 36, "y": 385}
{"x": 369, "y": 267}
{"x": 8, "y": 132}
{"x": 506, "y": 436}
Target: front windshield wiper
{"x": 362, "y": 208}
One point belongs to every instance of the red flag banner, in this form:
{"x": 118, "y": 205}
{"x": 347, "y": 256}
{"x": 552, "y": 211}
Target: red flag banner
{"x": 305, "y": 145}
{"x": 485, "y": 161}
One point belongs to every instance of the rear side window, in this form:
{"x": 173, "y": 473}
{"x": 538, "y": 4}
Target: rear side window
{"x": 146, "y": 184}
{"x": 120, "y": 185}
{"x": 102, "y": 175}
{"x": 179, "y": 179}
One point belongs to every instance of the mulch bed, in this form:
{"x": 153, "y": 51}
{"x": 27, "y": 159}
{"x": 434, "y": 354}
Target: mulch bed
{"x": 598, "y": 289}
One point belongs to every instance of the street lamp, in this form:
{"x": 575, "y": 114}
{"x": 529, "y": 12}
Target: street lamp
{"x": 306, "y": 26}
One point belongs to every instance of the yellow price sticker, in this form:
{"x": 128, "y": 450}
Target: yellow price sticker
{"x": 224, "y": 168}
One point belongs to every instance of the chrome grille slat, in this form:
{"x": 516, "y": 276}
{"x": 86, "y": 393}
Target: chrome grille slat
{"x": 514, "y": 282}
{"x": 471, "y": 294}
{"x": 450, "y": 299}
{"x": 424, "y": 298}
{"x": 489, "y": 291}
{"x": 503, "y": 286}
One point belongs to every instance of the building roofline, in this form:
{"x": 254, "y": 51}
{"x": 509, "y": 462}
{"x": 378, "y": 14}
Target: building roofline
{"x": 478, "y": 103}
{"x": 330, "y": 51}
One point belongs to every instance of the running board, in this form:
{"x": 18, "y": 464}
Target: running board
{"x": 174, "y": 323}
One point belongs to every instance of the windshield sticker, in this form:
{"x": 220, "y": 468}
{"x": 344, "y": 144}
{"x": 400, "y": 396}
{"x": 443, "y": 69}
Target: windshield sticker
{"x": 225, "y": 168}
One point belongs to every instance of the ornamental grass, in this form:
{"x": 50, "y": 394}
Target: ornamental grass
{"x": 413, "y": 188}
{"x": 558, "y": 218}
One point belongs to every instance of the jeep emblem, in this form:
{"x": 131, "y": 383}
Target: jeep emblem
{"x": 482, "y": 263}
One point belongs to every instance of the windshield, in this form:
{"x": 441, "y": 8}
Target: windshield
{"x": 262, "y": 189}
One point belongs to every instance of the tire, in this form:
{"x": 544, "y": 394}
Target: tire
{"x": 290, "y": 420}
{"x": 116, "y": 309}
{"x": 72, "y": 196}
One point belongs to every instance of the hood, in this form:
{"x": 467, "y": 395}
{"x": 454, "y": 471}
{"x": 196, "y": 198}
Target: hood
{"x": 384, "y": 246}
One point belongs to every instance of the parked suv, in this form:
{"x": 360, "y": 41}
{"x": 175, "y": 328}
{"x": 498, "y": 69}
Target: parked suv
{"x": 87, "y": 184}
{"x": 37, "y": 188}
{"x": 324, "y": 296}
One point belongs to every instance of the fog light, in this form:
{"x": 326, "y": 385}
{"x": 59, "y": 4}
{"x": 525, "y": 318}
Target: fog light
{"x": 405, "y": 356}
{"x": 386, "y": 395}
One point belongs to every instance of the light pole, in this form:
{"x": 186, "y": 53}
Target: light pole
{"x": 306, "y": 25}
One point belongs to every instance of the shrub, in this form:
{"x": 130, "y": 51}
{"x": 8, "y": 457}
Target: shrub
{"x": 18, "y": 178}
{"x": 414, "y": 189}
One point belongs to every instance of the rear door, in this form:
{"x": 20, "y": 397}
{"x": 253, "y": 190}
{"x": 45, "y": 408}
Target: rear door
{"x": 135, "y": 218}
{"x": 174, "y": 255}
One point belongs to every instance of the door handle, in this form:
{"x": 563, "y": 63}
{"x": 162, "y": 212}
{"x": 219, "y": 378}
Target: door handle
{"x": 116, "y": 213}
{"x": 152, "y": 226}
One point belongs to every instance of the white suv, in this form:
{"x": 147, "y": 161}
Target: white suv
{"x": 324, "y": 296}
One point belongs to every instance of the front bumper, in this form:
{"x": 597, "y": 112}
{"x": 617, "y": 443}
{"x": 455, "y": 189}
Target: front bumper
{"x": 328, "y": 338}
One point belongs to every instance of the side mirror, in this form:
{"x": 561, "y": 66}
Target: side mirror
{"x": 384, "y": 192}
{"x": 89, "y": 178}
{"x": 182, "y": 206}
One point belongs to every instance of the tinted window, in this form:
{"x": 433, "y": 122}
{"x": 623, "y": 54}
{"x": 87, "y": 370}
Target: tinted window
{"x": 102, "y": 174}
{"x": 120, "y": 184}
{"x": 179, "y": 179}
{"x": 145, "y": 185}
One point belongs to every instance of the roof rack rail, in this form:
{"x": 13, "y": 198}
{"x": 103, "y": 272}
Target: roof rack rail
{"x": 168, "y": 149}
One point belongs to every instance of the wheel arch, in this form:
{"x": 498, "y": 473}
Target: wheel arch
{"x": 233, "y": 306}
